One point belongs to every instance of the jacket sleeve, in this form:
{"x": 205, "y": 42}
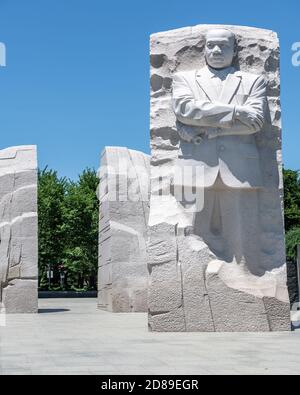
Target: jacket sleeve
{"x": 199, "y": 112}
{"x": 256, "y": 106}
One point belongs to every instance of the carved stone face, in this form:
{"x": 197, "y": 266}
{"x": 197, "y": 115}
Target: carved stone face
{"x": 220, "y": 48}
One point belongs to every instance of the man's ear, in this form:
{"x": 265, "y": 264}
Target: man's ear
{"x": 235, "y": 51}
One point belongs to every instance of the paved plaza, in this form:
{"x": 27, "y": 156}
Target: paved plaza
{"x": 70, "y": 336}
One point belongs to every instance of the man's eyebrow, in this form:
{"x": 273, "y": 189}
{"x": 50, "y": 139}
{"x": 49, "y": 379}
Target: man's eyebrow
{"x": 217, "y": 40}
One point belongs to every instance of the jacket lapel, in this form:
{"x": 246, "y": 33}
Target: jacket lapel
{"x": 230, "y": 87}
{"x": 203, "y": 79}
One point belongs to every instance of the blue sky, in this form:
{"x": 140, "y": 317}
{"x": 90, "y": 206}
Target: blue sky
{"x": 77, "y": 72}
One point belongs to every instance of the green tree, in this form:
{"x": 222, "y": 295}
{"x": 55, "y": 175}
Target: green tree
{"x": 291, "y": 199}
{"x": 51, "y": 194}
{"x": 81, "y": 214}
{"x": 292, "y": 239}
{"x": 292, "y": 212}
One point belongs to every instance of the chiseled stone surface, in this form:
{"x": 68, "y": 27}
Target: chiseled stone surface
{"x": 124, "y": 210}
{"x": 208, "y": 284}
{"x": 18, "y": 230}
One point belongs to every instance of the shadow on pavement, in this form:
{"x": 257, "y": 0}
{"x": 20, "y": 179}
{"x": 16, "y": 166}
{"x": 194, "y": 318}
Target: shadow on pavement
{"x": 47, "y": 311}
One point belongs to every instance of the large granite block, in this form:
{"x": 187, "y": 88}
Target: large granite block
{"x": 218, "y": 265}
{"x": 18, "y": 230}
{"x": 124, "y": 207}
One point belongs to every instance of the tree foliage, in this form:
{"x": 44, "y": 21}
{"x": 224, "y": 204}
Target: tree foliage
{"x": 292, "y": 211}
{"x": 81, "y": 231}
{"x": 51, "y": 195}
{"x": 68, "y": 230}
{"x": 292, "y": 240}
{"x": 291, "y": 199}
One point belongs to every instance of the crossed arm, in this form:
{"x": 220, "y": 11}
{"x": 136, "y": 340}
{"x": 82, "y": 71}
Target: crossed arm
{"x": 219, "y": 119}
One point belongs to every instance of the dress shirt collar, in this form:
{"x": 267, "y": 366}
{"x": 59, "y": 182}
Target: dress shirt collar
{"x": 220, "y": 73}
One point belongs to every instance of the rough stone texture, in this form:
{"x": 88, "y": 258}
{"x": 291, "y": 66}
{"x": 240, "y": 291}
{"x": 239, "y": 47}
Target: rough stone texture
{"x": 191, "y": 287}
{"x": 124, "y": 210}
{"x": 18, "y": 230}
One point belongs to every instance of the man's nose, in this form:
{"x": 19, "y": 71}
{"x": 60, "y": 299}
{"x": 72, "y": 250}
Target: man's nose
{"x": 217, "y": 49}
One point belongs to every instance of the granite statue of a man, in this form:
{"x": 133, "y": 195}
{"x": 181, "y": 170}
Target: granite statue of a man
{"x": 219, "y": 110}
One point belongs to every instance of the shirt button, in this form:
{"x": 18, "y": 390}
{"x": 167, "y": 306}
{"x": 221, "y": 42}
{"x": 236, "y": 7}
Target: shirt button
{"x": 222, "y": 148}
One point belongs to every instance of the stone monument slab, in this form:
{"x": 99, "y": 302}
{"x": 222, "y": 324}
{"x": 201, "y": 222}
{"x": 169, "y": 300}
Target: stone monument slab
{"x": 18, "y": 230}
{"x": 124, "y": 210}
{"x": 216, "y": 253}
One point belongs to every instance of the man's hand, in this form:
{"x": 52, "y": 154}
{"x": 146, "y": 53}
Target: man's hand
{"x": 191, "y": 134}
{"x": 213, "y": 133}
{"x": 248, "y": 117}
{"x": 210, "y": 133}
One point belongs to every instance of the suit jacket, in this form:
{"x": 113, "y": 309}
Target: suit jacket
{"x": 232, "y": 153}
